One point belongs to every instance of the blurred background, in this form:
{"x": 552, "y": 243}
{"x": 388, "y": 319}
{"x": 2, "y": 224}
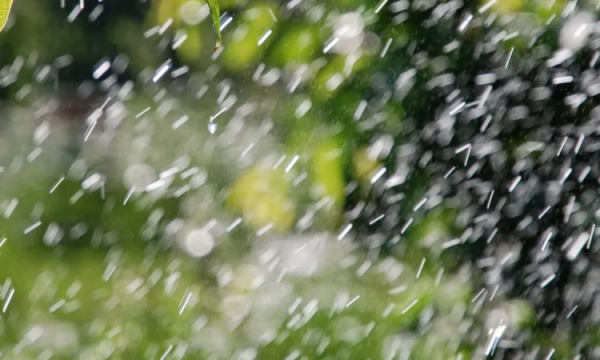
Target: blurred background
{"x": 341, "y": 179}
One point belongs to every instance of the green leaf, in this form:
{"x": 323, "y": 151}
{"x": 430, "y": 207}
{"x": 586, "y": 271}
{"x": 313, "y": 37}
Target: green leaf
{"x": 5, "y": 10}
{"x": 215, "y": 13}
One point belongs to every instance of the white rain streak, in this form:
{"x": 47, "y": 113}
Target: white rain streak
{"x": 547, "y": 280}
{"x": 546, "y": 240}
{"x": 421, "y": 266}
{"x": 185, "y": 301}
{"x": 353, "y": 300}
{"x": 386, "y": 47}
{"x": 74, "y": 13}
{"x": 495, "y": 339}
{"x": 538, "y": 189}
{"x": 330, "y": 45}
{"x": 514, "y": 183}
{"x": 591, "y": 236}
{"x": 101, "y": 69}
{"x": 479, "y": 293}
{"x": 487, "y": 6}
{"x": 344, "y": 232}
{"x": 291, "y": 164}
{"x": 162, "y": 70}
{"x": 7, "y": 300}
{"x": 406, "y": 309}
{"x": 167, "y": 352}
{"x": 463, "y": 25}
{"x": 32, "y": 227}
{"x": 380, "y": 6}
{"x": 128, "y": 196}
{"x": 378, "y": 175}
{"x": 264, "y": 38}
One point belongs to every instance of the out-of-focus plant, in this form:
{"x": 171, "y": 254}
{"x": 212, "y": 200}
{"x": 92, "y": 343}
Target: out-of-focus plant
{"x": 5, "y": 6}
{"x": 215, "y": 13}
{"x": 331, "y": 68}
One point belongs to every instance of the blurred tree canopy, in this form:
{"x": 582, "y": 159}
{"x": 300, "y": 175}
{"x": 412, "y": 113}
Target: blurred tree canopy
{"x": 148, "y": 179}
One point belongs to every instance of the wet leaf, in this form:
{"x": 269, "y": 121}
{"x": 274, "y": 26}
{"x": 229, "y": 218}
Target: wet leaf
{"x": 5, "y": 10}
{"x": 215, "y": 13}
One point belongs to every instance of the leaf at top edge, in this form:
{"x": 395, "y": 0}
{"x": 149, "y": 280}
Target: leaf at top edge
{"x": 215, "y": 13}
{"x": 5, "y": 6}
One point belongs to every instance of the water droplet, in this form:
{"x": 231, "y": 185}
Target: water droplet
{"x": 198, "y": 243}
{"x": 212, "y": 127}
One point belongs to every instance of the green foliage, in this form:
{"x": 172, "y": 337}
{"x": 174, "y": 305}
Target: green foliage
{"x": 262, "y": 196}
{"x": 215, "y": 14}
{"x": 318, "y": 126}
{"x": 243, "y": 45}
{"x": 5, "y": 6}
